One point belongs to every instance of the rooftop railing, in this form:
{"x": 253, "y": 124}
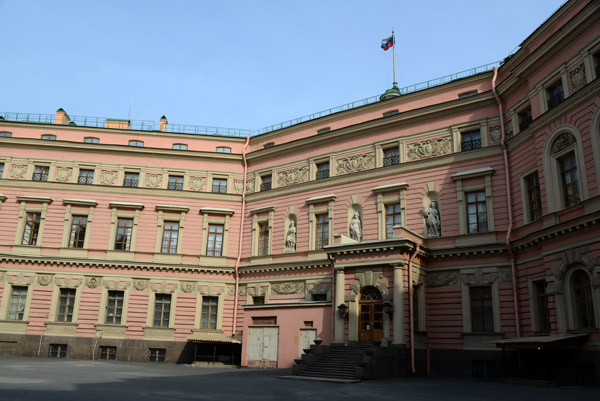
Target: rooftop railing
{"x": 146, "y": 125}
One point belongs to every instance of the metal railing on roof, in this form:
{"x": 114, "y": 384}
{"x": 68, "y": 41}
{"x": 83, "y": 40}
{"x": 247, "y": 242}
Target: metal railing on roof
{"x": 145, "y": 125}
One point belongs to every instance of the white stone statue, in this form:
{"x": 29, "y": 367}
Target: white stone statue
{"x": 433, "y": 220}
{"x": 290, "y": 238}
{"x": 356, "y": 227}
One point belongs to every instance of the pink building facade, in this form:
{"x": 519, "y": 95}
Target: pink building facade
{"x": 456, "y": 224}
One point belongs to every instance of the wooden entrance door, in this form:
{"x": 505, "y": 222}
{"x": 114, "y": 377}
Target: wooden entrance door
{"x": 370, "y": 318}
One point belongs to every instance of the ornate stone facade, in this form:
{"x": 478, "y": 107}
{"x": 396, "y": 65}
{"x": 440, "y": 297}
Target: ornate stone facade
{"x": 63, "y": 174}
{"x": 578, "y": 78}
{"x": 355, "y": 163}
{"x": 108, "y": 177}
{"x": 153, "y": 180}
{"x": 197, "y": 183}
{"x": 429, "y": 148}
{"x": 293, "y": 176}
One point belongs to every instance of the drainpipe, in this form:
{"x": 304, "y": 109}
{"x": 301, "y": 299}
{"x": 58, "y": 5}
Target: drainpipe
{"x": 411, "y": 318}
{"x": 333, "y": 305}
{"x": 42, "y": 337}
{"x": 508, "y": 201}
{"x": 237, "y": 262}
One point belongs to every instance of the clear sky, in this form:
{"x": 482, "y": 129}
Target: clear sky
{"x": 240, "y": 63}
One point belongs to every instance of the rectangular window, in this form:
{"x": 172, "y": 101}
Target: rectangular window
{"x": 176, "y": 182}
{"x": 162, "y": 310}
{"x": 5, "y": 134}
{"x": 131, "y": 180}
{"x": 31, "y": 229}
{"x": 208, "y": 319}
{"x": 48, "y": 137}
{"x": 180, "y": 146}
{"x": 66, "y": 305}
{"x": 555, "y": 94}
{"x": 258, "y": 300}
{"x": 482, "y": 314}
{"x": 1, "y": 169}
{"x": 219, "y": 185}
{"x": 322, "y": 236}
{"x": 90, "y": 139}
{"x": 223, "y": 149}
{"x": 86, "y": 177}
{"x": 18, "y": 299}
{"x": 266, "y": 182}
{"x": 263, "y": 239}
{"x": 467, "y": 94}
{"x": 534, "y": 196}
{"x": 40, "y": 173}
{"x": 541, "y": 305}
{"x": 214, "y": 247}
{"x": 170, "y": 237}
{"x": 393, "y": 217}
{"x": 319, "y": 297}
{"x": 57, "y": 351}
{"x": 525, "y": 118}
{"x": 114, "y": 307}
{"x": 570, "y": 180}
{"x": 323, "y": 130}
{"x": 107, "y": 353}
{"x": 476, "y": 212}
{"x": 123, "y": 237}
{"x": 137, "y": 144}
{"x": 390, "y": 113}
{"x": 391, "y": 157}
{"x": 157, "y": 355}
{"x": 322, "y": 170}
{"x": 78, "y": 228}
{"x": 470, "y": 140}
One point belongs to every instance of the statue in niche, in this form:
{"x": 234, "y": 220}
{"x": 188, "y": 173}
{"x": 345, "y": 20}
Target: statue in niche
{"x": 356, "y": 227}
{"x": 290, "y": 238}
{"x": 433, "y": 220}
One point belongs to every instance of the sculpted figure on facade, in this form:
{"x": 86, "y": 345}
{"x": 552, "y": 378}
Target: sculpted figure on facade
{"x": 578, "y": 79}
{"x": 433, "y": 220}
{"x": 563, "y": 142}
{"x": 108, "y": 177}
{"x": 63, "y": 174}
{"x": 153, "y": 180}
{"x": 429, "y": 148}
{"x": 355, "y": 163}
{"x": 495, "y": 135}
{"x": 18, "y": 171}
{"x": 197, "y": 183}
{"x": 356, "y": 227}
{"x": 290, "y": 238}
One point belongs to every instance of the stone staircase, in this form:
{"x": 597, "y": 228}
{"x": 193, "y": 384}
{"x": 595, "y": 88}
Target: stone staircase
{"x": 338, "y": 361}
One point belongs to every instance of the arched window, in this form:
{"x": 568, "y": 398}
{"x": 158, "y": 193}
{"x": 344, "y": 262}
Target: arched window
{"x": 370, "y": 293}
{"x": 582, "y": 300}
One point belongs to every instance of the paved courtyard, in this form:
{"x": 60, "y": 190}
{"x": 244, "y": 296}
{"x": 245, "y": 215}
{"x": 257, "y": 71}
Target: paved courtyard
{"x": 52, "y": 379}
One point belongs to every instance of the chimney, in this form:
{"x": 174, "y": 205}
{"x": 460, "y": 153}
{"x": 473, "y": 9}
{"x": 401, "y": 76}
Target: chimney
{"x": 62, "y": 117}
{"x": 163, "y": 124}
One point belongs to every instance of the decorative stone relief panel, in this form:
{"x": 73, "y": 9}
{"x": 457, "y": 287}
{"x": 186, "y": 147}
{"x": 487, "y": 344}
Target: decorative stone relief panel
{"x": 238, "y": 185}
{"x": 164, "y": 287}
{"x": 288, "y": 288}
{"x": 250, "y": 185}
{"x": 242, "y": 291}
{"x": 116, "y": 284}
{"x": 18, "y": 171}
{"x": 508, "y": 129}
{"x": 63, "y": 174}
{"x": 478, "y": 278}
{"x": 442, "y": 279}
{"x": 293, "y": 176}
{"x": 571, "y": 257}
{"x": 429, "y": 148}
{"x": 495, "y": 135}
{"x": 153, "y": 180}
{"x": 366, "y": 279}
{"x": 321, "y": 287}
{"x": 19, "y": 278}
{"x": 578, "y": 78}
{"x": 564, "y": 141}
{"x": 505, "y": 276}
{"x": 355, "y": 163}
{"x": 68, "y": 282}
{"x": 93, "y": 282}
{"x": 211, "y": 289}
{"x": 2, "y": 277}
{"x": 197, "y": 183}
{"x": 140, "y": 285}
{"x": 108, "y": 177}
{"x": 44, "y": 279}
{"x": 188, "y": 287}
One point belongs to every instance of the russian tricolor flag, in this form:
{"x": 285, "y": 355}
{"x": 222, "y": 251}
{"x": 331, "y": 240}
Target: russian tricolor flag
{"x": 387, "y": 42}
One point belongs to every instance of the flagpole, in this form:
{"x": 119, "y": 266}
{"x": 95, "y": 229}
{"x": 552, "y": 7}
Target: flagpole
{"x": 394, "y": 55}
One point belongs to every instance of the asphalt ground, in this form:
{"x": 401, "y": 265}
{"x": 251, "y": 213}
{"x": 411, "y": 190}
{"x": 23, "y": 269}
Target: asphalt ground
{"x": 46, "y": 379}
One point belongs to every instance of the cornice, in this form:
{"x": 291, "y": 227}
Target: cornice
{"x": 126, "y": 205}
{"x": 216, "y": 210}
{"x": 32, "y": 198}
{"x": 390, "y": 187}
{"x": 172, "y": 208}
{"x": 387, "y": 245}
{"x": 263, "y": 209}
{"x": 281, "y": 267}
{"x": 80, "y": 202}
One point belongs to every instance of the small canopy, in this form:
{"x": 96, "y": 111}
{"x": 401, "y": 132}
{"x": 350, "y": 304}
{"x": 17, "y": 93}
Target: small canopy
{"x": 217, "y": 338}
{"x": 541, "y": 341}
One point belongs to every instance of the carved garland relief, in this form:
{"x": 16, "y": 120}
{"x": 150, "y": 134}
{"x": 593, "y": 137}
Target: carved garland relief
{"x": 153, "y": 180}
{"x": 429, "y": 148}
{"x": 63, "y": 174}
{"x": 197, "y": 183}
{"x": 563, "y": 142}
{"x": 108, "y": 177}
{"x": 288, "y": 288}
{"x": 355, "y": 163}
{"x": 18, "y": 171}
{"x": 293, "y": 176}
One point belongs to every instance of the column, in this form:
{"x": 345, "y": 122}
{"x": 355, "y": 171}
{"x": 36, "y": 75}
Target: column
{"x": 338, "y": 328}
{"x": 398, "y": 305}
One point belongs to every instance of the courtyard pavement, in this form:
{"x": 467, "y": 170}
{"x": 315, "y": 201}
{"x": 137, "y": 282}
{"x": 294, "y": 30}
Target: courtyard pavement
{"x": 45, "y": 379}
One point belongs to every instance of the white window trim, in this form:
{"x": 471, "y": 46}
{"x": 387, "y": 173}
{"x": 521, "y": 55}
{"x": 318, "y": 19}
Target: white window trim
{"x": 31, "y": 204}
{"x": 533, "y": 310}
{"x": 220, "y": 304}
{"x": 459, "y": 129}
{"x": 542, "y": 87}
{"x": 326, "y": 202}
{"x": 126, "y": 210}
{"x": 461, "y": 190}
{"x": 381, "y": 147}
{"x": 466, "y": 282}
{"x": 260, "y": 216}
{"x": 180, "y": 218}
{"x": 215, "y": 216}
{"x": 390, "y": 194}
{"x": 313, "y": 162}
{"x": 525, "y": 195}
{"x": 70, "y": 212}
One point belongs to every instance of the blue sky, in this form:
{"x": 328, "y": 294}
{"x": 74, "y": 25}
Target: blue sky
{"x": 240, "y": 64}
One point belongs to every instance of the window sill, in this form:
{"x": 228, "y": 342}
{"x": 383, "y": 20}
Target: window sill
{"x": 159, "y": 333}
{"x": 584, "y": 331}
{"x": 61, "y": 329}
{"x": 107, "y": 330}
{"x": 14, "y": 326}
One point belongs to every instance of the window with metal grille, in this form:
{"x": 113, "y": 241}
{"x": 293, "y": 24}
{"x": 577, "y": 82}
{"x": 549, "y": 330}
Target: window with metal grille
{"x": 57, "y": 351}
{"x": 322, "y": 237}
{"x": 470, "y": 140}
{"x": 157, "y": 355}
{"x": 86, "y": 177}
{"x": 214, "y": 246}
{"x": 393, "y": 217}
{"x": 391, "y": 157}
{"x": 263, "y": 239}
{"x": 180, "y": 146}
{"x": 541, "y": 304}
{"x": 584, "y": 303}
{"x": 555, "y": 94}
{"x": 107, "y": 353}
{"x": 5, "y": 134}
{"x": 40, "y": 173}
{"x": 18, "y": 300}
{"x": 136, "y": 143}
{"x": 534, "y": 196}
{"x": 131, "y": 180}
{"x": 219, "y": 185}
{"x": 476, "y": 212}
{"x": 569, "y": 179}
{"x": 123, "y": 235}
{"x": 49, "y": 137}
{"x": 266, "y": 182}
{"x": 114, "y": 307}
{"x": 322, "y": 170}
{"x": 482, "y": 313}
{"x": 90, "y": 139}
{"x": 223, "y": 149}
{"x": 170, "y": 237}
{"x": 78, "y": 228}
{"x": 208, "y": 320}
{"x": 66, "y": 305}
{"x": 525, "y": 118}
{"x": 31, "y": 229}
{"x": 176, "y": 182}
{"x": 162, "y": 310}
